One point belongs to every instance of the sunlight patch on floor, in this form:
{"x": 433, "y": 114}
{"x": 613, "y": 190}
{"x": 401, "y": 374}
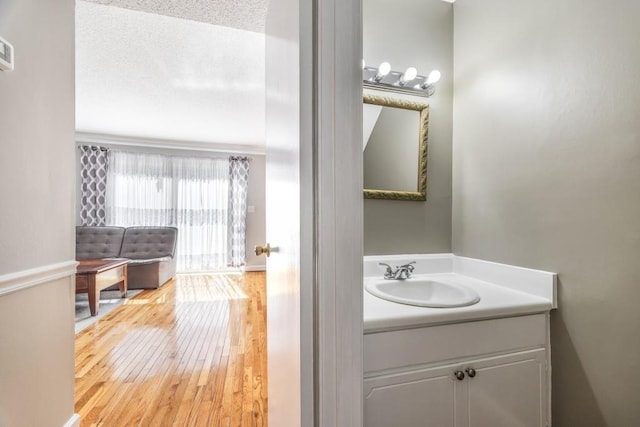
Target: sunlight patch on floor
{"x": 208, "y": 288}
{"x": 192, "y": 352}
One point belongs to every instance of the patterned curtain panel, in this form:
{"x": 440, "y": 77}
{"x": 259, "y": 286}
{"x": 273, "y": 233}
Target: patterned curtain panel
{"x": 238, "y": 185}
{"x": 94, "y": 163}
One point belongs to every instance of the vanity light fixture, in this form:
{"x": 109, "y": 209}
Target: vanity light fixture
{"x": 383, "y": 78}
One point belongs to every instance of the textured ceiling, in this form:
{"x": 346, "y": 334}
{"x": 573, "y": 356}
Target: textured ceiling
{"x": 241, "y": 14}
{"x": 147, "y": 75}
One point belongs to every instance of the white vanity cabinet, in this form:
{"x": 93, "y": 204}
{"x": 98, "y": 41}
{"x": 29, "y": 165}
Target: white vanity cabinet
{"x": 425, "y": 397}
{"x": 489, "y": 373}
{"x": 507, "y": 390}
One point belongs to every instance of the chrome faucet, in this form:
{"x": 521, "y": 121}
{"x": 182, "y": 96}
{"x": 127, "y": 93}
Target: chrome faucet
{"x": 401, "y": 272}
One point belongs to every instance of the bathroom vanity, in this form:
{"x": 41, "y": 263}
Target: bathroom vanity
{"x": 484, "y": 364}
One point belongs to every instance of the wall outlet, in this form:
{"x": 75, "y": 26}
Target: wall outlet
{"x": 251, "y": 209}
{"x": 6, "y": 55}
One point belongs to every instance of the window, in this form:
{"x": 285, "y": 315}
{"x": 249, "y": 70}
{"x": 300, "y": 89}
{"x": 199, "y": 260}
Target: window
{"x": 192, "y": 194}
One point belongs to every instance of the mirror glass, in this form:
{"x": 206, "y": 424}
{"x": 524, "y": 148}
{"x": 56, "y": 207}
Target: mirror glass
{"x": 394, "y": 148}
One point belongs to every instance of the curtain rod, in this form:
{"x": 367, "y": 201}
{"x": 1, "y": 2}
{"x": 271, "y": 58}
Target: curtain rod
{"x": 83, "y": 138}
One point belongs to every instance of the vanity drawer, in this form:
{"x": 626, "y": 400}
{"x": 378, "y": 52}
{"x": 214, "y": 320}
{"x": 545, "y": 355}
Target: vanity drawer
{"x": 420, "y": 346}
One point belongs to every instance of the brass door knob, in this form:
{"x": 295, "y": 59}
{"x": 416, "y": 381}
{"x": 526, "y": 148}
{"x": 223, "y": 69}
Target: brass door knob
{"x": 266, "y": 249}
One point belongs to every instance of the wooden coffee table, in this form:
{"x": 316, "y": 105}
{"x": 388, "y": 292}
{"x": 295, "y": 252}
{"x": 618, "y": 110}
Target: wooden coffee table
{"x": 92, "y": 276}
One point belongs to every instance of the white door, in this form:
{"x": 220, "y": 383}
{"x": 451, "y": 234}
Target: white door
{"x": 289, "y": 197}
{"x": 314, "y": 212}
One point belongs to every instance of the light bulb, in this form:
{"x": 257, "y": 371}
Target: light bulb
{"x": 384, "y": 69}
{"x": 408, "y": 75}
{"x": 434, "y": 76}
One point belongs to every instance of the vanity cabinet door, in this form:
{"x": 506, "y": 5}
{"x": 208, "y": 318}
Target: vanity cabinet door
{"x": 507, "y": 391}
{"x": 419, "y": 398}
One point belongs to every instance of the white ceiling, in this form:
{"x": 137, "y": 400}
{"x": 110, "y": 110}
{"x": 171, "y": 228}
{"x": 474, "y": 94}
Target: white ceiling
{"x": 242, "y": 14}
{"x": 153, "y": 76}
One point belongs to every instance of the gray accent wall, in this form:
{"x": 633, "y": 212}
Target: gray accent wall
{"x": 37, "y": 215}
{"x": 415, "y": 33}
{"x": 546, "y": 174}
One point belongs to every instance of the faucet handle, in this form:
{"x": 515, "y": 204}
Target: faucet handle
{"x": 409, "y": 266}
{"x": 388, "y": 271}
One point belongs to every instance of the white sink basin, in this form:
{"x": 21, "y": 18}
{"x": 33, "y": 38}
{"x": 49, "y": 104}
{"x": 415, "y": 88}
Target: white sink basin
{"x": 423, "y": 292}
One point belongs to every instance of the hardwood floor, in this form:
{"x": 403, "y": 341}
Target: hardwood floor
{"x": 192, "y": 353}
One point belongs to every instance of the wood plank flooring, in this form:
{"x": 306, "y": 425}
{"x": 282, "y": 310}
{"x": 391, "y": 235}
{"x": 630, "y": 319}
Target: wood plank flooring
{"x": 192, "y": 353}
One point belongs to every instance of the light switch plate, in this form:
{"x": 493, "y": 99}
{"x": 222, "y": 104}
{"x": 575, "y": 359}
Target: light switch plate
{"x": 6, "y": 55}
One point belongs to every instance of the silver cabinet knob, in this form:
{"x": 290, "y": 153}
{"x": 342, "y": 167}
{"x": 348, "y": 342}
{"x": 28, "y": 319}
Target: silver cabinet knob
{"x": 459, "y": 375}
{"x": 471, "y": 372}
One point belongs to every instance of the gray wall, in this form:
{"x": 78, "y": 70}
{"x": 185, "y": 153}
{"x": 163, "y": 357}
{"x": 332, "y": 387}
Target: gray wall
{"x": 256, "y": 226}
{"x": 37, "y": 215}
{"x": 414, "y": 33}
{"x": 547, "y": 175}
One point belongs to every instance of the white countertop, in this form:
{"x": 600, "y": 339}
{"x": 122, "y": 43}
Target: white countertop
{"x": 495, "y": 301}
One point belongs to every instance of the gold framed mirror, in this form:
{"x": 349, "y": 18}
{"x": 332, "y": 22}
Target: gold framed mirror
{"x": 395, "y": 139}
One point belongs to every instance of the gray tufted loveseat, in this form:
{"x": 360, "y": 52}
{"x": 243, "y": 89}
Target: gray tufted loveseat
{"x": 151, "y": 251}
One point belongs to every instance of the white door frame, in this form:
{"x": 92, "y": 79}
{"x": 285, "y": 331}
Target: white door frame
{"x": 338, "y": 212}
{"x": 329, "y": 40}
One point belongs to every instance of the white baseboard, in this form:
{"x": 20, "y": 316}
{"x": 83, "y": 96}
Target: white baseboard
{"x": 254, "y": 268}
{"x": 14, "y": 282}
{"x": 74, "y": 421}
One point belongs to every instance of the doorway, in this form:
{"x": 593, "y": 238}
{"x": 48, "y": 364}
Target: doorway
{"x": 324, "y": 266}
{"x": 168, "y": 93}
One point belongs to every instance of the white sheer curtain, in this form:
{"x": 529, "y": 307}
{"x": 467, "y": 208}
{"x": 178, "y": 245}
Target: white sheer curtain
{"x": 140, "y": 190}
{"x": 202, "y": 204}
{"x": 191, "y": 194}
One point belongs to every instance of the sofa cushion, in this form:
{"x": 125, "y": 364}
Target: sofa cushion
{"x": 148, "y": 242}
{"x": 149, "y": 260}
{"x": 98, "y": 242}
